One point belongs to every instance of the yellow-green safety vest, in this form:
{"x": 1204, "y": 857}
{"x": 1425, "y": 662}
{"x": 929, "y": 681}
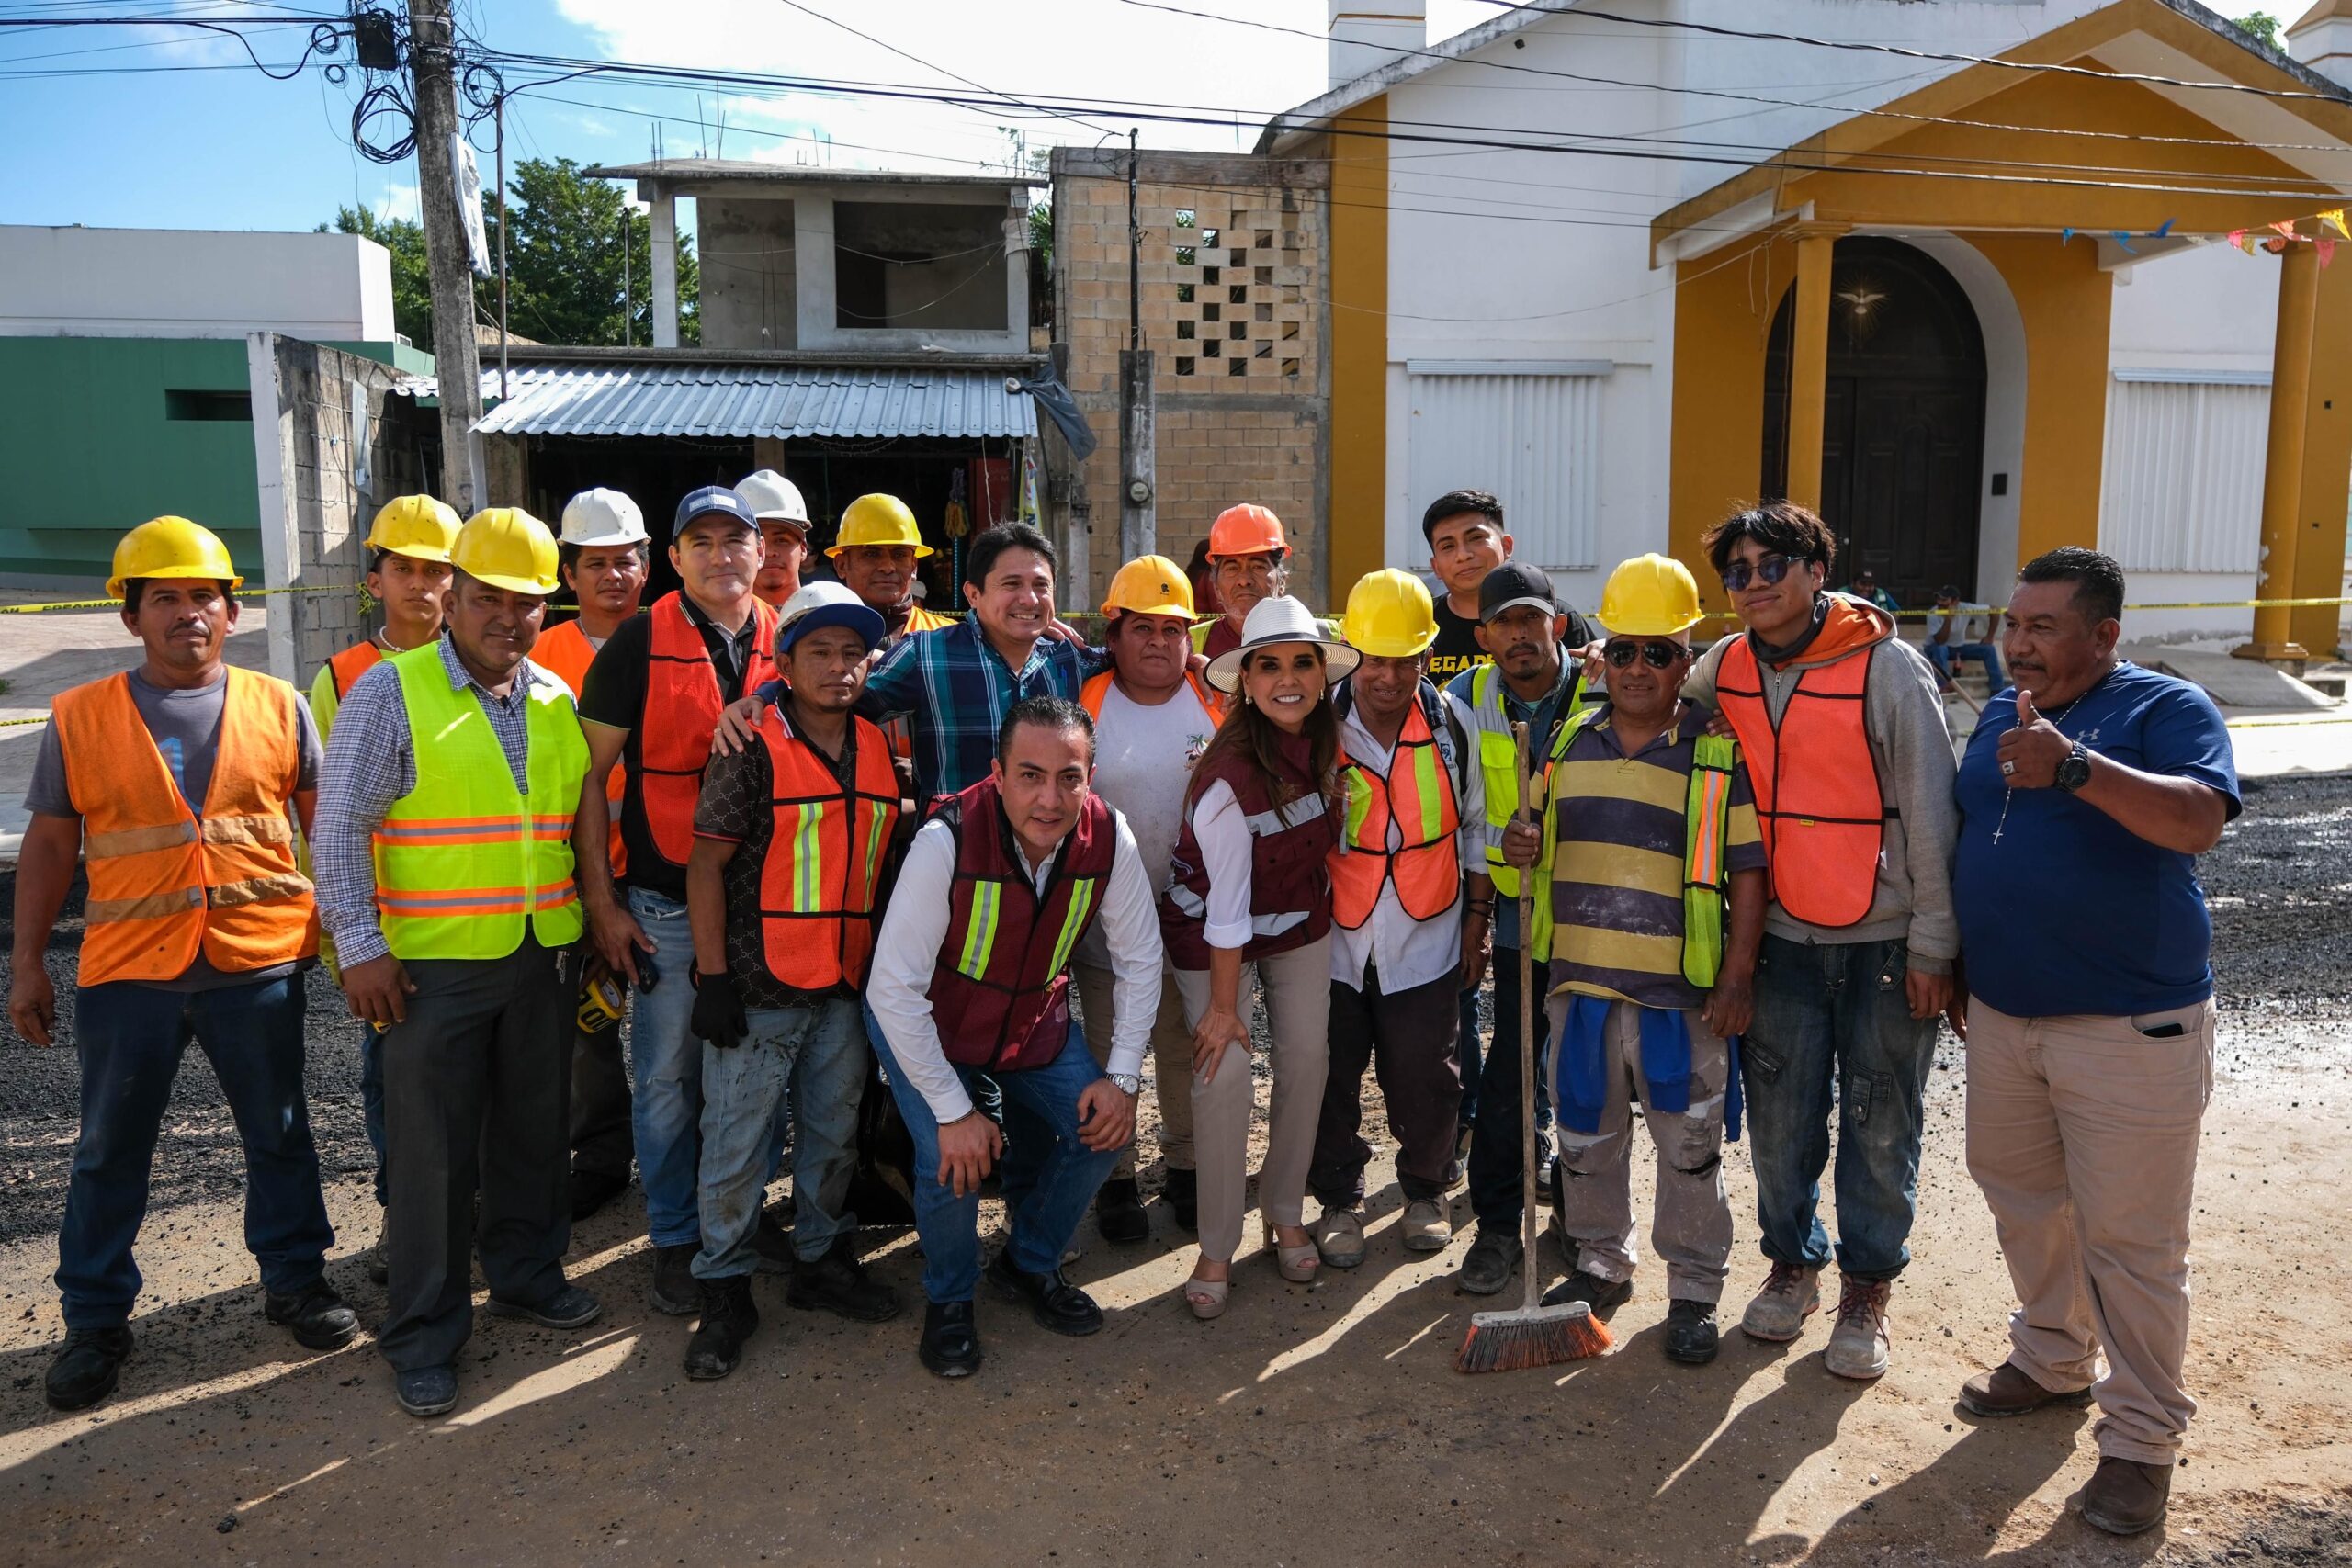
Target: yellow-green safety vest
{"x": 462, "y": 859}
{"x": 1497, "y": 761}
{"x": 1706, "y": 823}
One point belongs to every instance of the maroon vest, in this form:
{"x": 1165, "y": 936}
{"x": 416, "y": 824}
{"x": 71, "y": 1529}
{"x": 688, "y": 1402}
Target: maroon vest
{"x": 1000, "y": 989}
{"x": 1290, "y": 884}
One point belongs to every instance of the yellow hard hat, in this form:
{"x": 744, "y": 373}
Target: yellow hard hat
{"x": 878, "y": 520}
{"x": 1389, "y": 615}
{"x": 507, "y": 548}
{"x": 170, "y": 546}
{"x": 1650, "y": 595}
{"x": 416, "y": 526}
{"x": 1150, "y": 585}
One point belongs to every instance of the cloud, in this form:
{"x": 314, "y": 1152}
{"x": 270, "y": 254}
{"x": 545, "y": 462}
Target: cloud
{"x": 399, "y": 204}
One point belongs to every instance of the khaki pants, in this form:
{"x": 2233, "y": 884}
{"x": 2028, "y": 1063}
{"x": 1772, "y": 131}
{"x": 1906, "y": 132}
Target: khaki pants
{"x": 2082, "y": 1133}
{"x": 1171, "y": 1062}
{"x": 1691, "y": 1229}
{"x": 1298, "y": 984}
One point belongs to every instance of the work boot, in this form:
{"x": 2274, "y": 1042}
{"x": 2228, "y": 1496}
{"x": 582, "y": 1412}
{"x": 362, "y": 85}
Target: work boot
{"x": 1858, "y": 1343}
{"x": 1184, "y": 1195}
{"x": 1597, "y": 1295}
{"x": 1792, "y": 1294}
{"x": 675, "y": 1291}
{"x": 1488, "y": 1269}
{"x": 2009, "y": 1390}
{"x": 2125, "y": 1497}
{"x": 85, "y": 1367}
{"x": 1052, "y": 1301}
{"x": 1425, "y": 1227}
{"x": 773, "y": 1245}
{"x": 1118, "y": 1211}
{"x": 318, "y": 1317}
{"x": 950, "y": 1344}
{"x": 729, "y": 1316}
{"x": 839, "y": 1283}
{"x": 427, "y": 1391}
{"x": 592, "y": 1190}
{"x": 569, "y": 1307}
{"x": 1691, "y": 1332}
{"x": 1338, "y": 1235}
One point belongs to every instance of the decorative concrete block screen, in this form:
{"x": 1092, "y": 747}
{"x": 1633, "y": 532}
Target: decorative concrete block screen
{"x": 1241, "y": 306}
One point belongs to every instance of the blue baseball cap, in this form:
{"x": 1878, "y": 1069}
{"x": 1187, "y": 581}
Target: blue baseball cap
{"x": 827, "y": 604}
{"x": 713, "y": 500}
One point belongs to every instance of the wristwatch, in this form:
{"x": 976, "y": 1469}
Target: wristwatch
{"x": 2076, "y": 770}
{"x": 1129, "y": 1085}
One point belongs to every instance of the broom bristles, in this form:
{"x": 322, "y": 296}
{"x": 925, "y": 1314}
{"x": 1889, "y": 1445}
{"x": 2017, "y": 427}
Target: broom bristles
{"x": 1541, "y": 1337}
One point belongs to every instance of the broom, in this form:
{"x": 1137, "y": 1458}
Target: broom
{"x": 1530, "y": 1334}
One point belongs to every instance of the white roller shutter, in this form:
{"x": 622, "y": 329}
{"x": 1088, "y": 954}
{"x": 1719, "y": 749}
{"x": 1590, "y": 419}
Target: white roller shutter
{"x": 1530, "y": 431}
{"x": 2182, "y": 486}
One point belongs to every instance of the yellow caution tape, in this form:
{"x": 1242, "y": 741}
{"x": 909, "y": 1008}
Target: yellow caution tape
{"x": 1969, "y": 612}
{"x": 117, "y": 603}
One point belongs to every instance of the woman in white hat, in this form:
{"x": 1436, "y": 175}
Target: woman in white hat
{"x": 1248, "y": 892}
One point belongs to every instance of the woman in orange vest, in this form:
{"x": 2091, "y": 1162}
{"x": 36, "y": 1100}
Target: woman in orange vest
{"x": 181, "y": 782}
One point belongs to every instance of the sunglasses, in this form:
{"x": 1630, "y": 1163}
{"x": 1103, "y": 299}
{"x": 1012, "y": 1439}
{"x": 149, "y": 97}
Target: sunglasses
{"x": 1771, "y": 569}
{"x": 1657, "y": 655}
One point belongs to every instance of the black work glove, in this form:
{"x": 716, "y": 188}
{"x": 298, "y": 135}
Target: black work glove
{"x": 718, "y": 1011}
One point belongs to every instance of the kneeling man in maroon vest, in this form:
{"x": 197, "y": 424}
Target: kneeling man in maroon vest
{"x": 971, "y": 976}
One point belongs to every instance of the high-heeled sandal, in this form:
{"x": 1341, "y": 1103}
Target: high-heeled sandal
{"x": 1207, "y": 1297}
{"x": 1297, "y": 1264}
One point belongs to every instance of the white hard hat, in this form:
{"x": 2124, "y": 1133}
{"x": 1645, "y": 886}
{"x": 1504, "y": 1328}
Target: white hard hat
{"x": 825, "y": 604}
{"x": 773, "y": 496}
{"x": 602, "y": 517}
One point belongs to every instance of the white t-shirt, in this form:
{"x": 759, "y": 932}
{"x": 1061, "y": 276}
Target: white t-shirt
{"x": 1143, "y": 761}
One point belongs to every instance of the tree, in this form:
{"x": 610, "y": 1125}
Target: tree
{"x": 563, "y": 261}
{"x": 411, "y": 286}
{"x": 2262, "y": 25}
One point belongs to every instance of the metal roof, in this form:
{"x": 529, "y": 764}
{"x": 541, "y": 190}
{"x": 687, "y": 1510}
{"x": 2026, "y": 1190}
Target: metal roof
{"x": 739, "y": 402}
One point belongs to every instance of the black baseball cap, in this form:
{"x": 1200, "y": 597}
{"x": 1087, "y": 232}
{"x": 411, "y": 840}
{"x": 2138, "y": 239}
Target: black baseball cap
{"x": 1514, "y": 583}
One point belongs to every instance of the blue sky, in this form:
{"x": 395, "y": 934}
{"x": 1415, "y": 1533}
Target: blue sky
{"x": 184, "y": 133}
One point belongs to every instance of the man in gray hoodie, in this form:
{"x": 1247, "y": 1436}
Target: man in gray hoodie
{"x": 1844, "y": 737}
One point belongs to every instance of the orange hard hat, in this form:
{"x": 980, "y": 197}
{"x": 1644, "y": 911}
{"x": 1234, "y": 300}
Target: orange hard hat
{"x": 1247, "y": 530}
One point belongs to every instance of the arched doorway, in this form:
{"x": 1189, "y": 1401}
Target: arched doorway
{"x": 1903, "y": 427}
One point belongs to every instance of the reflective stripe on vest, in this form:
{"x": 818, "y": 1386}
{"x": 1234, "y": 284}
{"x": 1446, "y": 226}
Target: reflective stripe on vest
{"x": 1819, "y": 803}
{"x": 681, "y": 706}
{"x": 1417, "y": 794}
{"x": 463, "y": 861}
{"x": 824, "y": 855}
{"x": 1290, "y": 874}
{"x": 1497, "y": 761}
{"x": 166, "y": 883}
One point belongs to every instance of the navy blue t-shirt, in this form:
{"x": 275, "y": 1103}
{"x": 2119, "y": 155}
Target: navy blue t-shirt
{"x": 2071, "y": 912}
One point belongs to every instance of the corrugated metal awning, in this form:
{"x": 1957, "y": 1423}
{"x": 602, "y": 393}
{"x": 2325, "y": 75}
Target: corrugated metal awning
{"x": 737, "y": 403}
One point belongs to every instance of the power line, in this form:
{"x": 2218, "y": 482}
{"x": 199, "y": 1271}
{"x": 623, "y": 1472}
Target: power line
{"x": 952, "y": 75}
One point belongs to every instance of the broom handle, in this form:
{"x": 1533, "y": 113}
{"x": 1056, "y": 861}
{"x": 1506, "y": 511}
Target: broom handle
{"x": 1528, "y": 1222}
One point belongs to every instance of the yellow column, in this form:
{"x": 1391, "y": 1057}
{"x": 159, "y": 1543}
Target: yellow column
{"x": 2282, "y": 473}
{"x": 1809, "y": 364}
{"x": 1357, "y": 492}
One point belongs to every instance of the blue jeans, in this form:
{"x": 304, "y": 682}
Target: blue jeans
{"x": 371, "y": 1101}
{"x": 815, "y": 1057}
{"x": 1049, "y": 1175}
{"x": 1834, "y": 1030}
{"x": 1943, "y": 655}
{"x": 131, "y": 1038}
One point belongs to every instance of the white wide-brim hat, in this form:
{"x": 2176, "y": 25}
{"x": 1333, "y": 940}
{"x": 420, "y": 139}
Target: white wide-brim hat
{"x": 1282, "y": 619}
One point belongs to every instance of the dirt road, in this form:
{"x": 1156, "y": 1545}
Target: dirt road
{"x": 1311, "y": 1426}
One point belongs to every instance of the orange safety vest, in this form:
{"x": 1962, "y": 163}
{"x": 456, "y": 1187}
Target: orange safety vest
{"x": 351, "y": 663}
{"x": 565, "y": 652}
{"x": 824, "y": 857}
{"x": 681, "y": 706}
{"x": 1090, "y": 696}
{"x": 167, "y": 883}
{"x": 1417, "y": 796}
{"x": 1818, "y": 800}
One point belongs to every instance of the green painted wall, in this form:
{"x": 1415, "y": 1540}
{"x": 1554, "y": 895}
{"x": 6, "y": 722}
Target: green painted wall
{"x": 89, "y": 450}
{"x": 403, "y": 358}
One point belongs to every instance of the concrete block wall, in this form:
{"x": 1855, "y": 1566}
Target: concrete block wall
{"x": 1234, "y": 302}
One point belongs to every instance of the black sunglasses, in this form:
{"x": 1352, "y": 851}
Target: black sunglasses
{"x": 1656, "y": 654}
{"x": 1771, "y": 569}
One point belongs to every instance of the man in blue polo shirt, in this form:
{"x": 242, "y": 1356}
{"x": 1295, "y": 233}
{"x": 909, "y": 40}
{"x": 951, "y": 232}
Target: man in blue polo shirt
{"x": 2086, "y": 1001}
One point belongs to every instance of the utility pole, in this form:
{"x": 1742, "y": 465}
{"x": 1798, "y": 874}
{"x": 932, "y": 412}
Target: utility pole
{"x": 1138, "y": 529}
{"x": 457, "y": 363}
{"x": 629, "y": 289}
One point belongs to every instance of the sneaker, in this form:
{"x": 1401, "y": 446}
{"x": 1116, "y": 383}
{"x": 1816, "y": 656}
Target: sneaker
{"x": 569, "y": 1307}
{"x": 317, "y": 1314}
{"x": 1184, "y": 1195}
{"x": 1858, "y": 1343}
{"x": 87, "y": 1365}
{"x": 1488, "y": 1269}
{"x": 592, "y": 1190}
{"x": 676, "y": 1289}
{"x": 1338, "y": 1235}
{"x": 1425, "y": 1227}
{"x": 839, "y": 1283}
{"x": 2126, "y": 1497}
{"x": 729, "y": 1316}
{"x": 2009, "y": 1390}
{"x": 1458, "y": 1167}
{"x": 1118, "y": 1213}
{"x": 1792, "y": 1294}
{"x": 427, "y": 1391}
{"x": 773, "y": 1245}
{"x": 950, "y": 1346}
{"x": 1597, "y": 1293}
{"x": 1691, "y": 1333}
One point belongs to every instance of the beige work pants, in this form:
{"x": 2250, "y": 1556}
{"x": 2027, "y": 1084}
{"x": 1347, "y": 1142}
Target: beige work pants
{"x": 1171, "y": 1062}
{"x": 1297, "y": 986}
{"x": 2082, "y": 1133}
